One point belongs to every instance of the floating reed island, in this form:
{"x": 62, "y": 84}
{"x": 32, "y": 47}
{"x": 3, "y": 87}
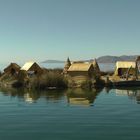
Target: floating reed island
{"x": 83, "y": 74}
{"x": 75, "y": 74}
{"x": 126, "y": 74}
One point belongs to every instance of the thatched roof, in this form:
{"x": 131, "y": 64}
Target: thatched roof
{"x": 80, "y": 66}
{"x": 12, "y": 65}
{"x": 79, "y": 62}
{"x": 28, "y": 65}
{"x": 96, "y": 66}
{"x": 125, "y": 64}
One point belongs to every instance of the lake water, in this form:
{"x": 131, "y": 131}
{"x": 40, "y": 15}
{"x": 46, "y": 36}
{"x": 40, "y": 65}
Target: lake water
{"x": 70, "y": 115}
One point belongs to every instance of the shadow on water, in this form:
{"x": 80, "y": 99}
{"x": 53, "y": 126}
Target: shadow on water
{"x": 73, "y": 96}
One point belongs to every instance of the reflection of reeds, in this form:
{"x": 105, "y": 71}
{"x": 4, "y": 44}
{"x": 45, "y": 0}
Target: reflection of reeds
{"x": 31, "y": 96}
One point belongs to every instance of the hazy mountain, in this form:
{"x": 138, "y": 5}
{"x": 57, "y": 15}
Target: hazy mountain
{"x": 114, "y": 59}
{"x": 103, "y": 59}
{"x": 53, "y": 61}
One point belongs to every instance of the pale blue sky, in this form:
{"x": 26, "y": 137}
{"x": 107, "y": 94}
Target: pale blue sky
{"x": 55, "y": 29}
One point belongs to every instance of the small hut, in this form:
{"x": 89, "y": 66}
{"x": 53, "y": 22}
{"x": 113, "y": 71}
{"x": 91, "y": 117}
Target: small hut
{"x": 125, "y": 67}
{"x": 67, "y": 65}
{"x": 32, "y": 68}
{"x": 81, "y": 71}
{"x": 12, "y": 69}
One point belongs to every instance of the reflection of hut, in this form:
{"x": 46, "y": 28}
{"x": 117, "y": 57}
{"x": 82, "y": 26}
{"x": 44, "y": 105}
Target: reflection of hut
{"x": 67, "y": 65}
{"x": 131, "y": 93}
{"x": 79, "y": 101}
{"x": 125, "y": 92}
{"x": 122, "y": 68}
{"x": 13, "y": 68}
{"x": 28, "y": 98}
{"x": 138, "y": 96}
{"x": 81, "y": 97}
{"x": 81, "y": 71}
{"x": 32, "y": 68}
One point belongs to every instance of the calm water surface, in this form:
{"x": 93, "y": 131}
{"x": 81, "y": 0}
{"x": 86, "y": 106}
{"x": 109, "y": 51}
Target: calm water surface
{"x": 70, "y": 114}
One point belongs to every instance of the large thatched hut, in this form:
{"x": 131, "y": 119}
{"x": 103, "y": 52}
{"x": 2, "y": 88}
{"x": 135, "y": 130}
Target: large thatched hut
{"x": 125, "y": 67}
{"x": 12, "y": 69}
{"x": 32, "y": 68}
{"x": 81, "y": 71}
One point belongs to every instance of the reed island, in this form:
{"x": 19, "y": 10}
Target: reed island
{"x": 75, "y": 74}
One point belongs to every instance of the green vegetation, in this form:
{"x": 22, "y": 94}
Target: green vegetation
{"x": 8, "y": 78}
{"x": 110, "y": 73}
{"x": 49, "y": 80}
{"x": 87, "y": 84}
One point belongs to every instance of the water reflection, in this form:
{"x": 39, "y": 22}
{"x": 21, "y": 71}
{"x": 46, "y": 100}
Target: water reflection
{"x": 82, "y": 97}
{"x": 31, "y": 96}
{"x": 132, "y": 93}
{"x": 72, "y": 96}
{"x": 76, "y": 96}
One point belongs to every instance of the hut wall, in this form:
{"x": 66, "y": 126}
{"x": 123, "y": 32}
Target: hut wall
{"x": 122, "y": 71}
{"x": 36, "y": 69}
{"x": 78, "y": 73}
{"x": 79, "y": 77}
{"x": 12, "y": 69}
{"x": 92, "y": 73}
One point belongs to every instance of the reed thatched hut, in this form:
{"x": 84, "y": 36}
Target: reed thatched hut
{"x": 32, "y": 68}
{"x": 13, "y": 68}
{"x": 81, "y": 71}
{"x": 124, "y": 67}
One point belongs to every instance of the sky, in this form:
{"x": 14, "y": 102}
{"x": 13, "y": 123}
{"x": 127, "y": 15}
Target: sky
{"x": 38, "y": 30}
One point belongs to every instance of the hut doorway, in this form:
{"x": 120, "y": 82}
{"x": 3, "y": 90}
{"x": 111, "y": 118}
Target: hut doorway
{"x": 13, "y": 71}
{"x": 120, "y": 72}
{"x": 35, "y": 72}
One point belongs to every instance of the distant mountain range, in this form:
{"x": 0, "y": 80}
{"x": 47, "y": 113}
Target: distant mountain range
{"x": 103, "y": 59}
{"x": 53, "y": 61}
{"x": 114, "y": 59}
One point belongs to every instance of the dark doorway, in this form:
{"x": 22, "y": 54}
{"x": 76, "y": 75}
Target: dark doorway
{"x": 13, "y": 71}
{"x": 119, "y": 72}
